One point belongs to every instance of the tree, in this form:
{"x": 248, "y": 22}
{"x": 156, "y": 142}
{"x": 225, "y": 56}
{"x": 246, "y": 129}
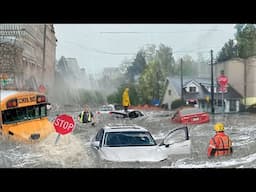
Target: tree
{"x": 151, "y": 83}
{"x": 189, "y": 66}
{"x": 166, "y": 60}
{"x": 246, "y": 40}
{"x": 117, "y": 96}
{"x": 137, "y": 66}
{"x": 228, "y": 51}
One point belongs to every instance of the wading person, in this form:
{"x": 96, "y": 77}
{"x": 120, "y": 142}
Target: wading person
{"x": 86, "y": 116}
{"x": 126, "y": 99}
{"x": 220, "y": 144}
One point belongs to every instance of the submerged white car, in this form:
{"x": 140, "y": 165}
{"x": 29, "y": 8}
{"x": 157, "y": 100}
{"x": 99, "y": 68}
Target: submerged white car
{"x": 106, "y": 109}
{"x": 131, "y": 143}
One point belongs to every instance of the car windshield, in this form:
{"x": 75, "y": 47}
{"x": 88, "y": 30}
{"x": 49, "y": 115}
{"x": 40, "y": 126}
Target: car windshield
{"x": 119, "y": 107}
{"x": 190, "y": 111}
{"x": 128, "y": 138}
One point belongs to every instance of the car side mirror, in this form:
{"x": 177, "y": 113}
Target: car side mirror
{"x": 96, "y": 144}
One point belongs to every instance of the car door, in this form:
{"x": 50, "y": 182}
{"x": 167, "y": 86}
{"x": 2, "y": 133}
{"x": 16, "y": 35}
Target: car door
{"x": 177, "y": 141}
{"x": 176, "y": 117}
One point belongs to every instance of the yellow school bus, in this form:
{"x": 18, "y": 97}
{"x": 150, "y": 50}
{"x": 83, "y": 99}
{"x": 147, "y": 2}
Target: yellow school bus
{"x": 23, "y": 116}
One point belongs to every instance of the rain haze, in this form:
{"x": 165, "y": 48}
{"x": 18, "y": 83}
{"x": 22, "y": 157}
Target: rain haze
{"x": 96, "y": 46}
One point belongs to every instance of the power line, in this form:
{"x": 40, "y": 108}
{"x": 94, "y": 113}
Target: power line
{"x": 97, "y": 50}
{"x": 120, "y": 53}
{"x": 173, "y": 32}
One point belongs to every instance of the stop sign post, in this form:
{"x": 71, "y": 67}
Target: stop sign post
{"x": 63, "y": 125}
{"x": 223, "y": 81}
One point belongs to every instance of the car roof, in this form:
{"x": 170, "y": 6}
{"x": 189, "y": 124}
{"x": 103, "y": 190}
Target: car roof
{"x": 123, "y": 128}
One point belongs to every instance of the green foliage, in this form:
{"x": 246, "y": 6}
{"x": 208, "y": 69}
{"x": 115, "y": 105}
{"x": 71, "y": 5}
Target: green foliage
{"x": 177, "y": 103}
{"x": 165, "y": 57}
{"x": 90, "y": 97}
{"x": 246, "y": 40}
{"x": 137, "y": 66}
{"x": 117, "y": 96}
{"x": 189, "y": 66}
{"x": 151, "y": 66}
{"x": 228, "y": 51}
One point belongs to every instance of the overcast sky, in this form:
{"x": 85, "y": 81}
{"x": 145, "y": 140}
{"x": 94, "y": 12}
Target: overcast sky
{"x": 96, "y": 46}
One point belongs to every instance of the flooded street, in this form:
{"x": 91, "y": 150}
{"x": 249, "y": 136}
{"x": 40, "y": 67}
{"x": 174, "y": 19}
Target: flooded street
{"x": 73, "y": 150}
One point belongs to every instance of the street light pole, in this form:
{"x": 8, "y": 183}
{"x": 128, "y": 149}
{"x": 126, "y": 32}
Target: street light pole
{"x": 212, "y": 88}
{"x": 181, "y": 80}
{"x": 44, "y": 41}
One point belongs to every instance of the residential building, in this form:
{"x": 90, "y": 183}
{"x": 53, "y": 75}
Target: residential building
{"x": 241, "y": 75}
{"x": 197, "y": 92}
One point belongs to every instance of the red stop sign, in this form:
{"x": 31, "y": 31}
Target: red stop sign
{"x": 222, "y": 80}
{"x": 64, "y": 124}
{"x": 42, "y": 89}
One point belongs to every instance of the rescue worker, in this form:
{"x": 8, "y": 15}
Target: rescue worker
{"x": 220, "y": 144}
{"x": 126, "y": 99}
{"x": 86, "y": 116}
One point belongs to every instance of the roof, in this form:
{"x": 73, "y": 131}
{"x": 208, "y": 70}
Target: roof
{"x": 123, "y": 128}
{"x": 176, "y": 81}
{"x": 203, "y": 82}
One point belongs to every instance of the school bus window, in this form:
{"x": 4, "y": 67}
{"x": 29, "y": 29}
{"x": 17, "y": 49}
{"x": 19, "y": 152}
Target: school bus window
{"x": 43, "y": 110}
{"x": 21, "y": 114}
{"x": 31, "y": 112}
{"x": 37, "y": 114}
{"x": 24, "y": 113}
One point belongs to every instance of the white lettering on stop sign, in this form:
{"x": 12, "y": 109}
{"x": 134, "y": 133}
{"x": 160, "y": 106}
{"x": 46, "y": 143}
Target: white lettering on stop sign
{"x": 64, "y": 124}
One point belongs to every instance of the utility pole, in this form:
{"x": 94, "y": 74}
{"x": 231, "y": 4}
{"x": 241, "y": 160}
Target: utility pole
{"x": 44, "y": 41}
{"x": 181, "y": 80}
{"x": 212, "y": 87}
{"x": 245, "y": 82}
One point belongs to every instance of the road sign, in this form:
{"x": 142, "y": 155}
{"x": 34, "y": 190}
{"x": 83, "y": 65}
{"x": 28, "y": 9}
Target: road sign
{"x": 223, "y": 81}
{"x": 64, "y": 124}
{"x": 42, "y": 89}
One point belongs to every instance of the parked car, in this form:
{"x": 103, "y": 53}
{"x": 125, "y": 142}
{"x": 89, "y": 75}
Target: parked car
{"x": 131, "y": 114}
{"x": 190, "y": 115}
{"x": 106, "y": 109}
{"x": 132, "y": 143}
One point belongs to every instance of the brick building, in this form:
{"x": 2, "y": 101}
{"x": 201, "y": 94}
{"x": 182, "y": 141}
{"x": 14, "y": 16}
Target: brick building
{"x": 27, "y": 55}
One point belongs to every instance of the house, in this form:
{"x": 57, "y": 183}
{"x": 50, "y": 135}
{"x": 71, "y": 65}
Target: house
{"x": 241, "y": 76}
{"x": 197, "y": 92}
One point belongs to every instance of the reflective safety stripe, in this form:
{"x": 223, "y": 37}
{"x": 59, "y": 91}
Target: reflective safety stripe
{"x": 223, "y": 145}
{"x": 212, "y": 146}
{"x": 82, "y": 117}
{"x": 222, "y": 149}
{"x": 89, "y": 117}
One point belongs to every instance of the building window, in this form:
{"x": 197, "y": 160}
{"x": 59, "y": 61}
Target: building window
{"x": 192, "y": 89}
{"x": 169, "y": 92}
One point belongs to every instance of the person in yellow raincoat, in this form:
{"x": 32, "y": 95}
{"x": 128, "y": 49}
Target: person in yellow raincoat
{"x": 126, "y": 99}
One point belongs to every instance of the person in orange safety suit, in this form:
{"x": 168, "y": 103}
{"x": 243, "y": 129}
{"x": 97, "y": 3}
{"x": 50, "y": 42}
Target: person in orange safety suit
{"x": 220, "y": 144}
